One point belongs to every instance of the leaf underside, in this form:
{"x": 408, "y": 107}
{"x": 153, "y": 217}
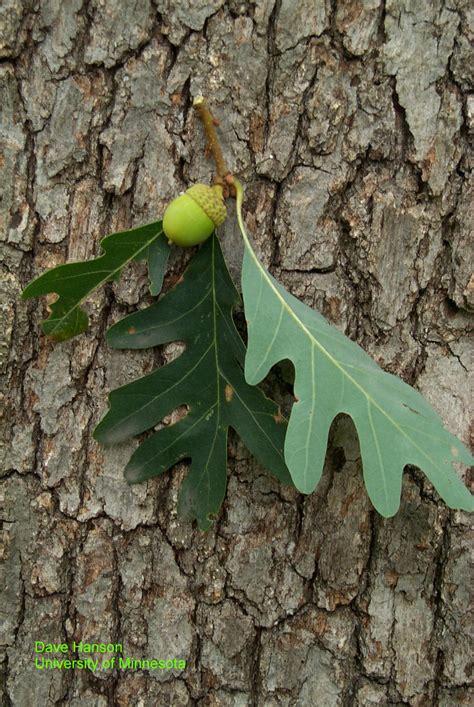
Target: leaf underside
{"x": 73, "y": 282}
{"x": 207, "y": 377}
{"x": 395, "y": 424}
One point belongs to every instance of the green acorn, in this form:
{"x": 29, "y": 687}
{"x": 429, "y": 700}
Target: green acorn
{"x": 192, "y": 217}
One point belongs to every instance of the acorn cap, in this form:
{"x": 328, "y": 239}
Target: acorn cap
{"x": 210, "y": 200}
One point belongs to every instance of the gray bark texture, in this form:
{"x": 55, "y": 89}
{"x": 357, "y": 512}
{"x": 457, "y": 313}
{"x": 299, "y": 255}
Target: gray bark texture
{"x": 348, "y": 123}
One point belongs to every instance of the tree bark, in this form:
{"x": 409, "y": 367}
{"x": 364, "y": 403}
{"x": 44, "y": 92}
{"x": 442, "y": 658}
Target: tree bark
{"x": 349, "y": 124}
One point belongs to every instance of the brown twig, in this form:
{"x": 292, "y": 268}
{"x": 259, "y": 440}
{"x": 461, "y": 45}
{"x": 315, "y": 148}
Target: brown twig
{"x": 213, "y": 145}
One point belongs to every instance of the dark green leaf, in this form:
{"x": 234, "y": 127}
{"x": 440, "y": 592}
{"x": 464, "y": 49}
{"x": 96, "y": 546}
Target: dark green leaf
{"x": 157, "y": 258}
{"x": 208, "y": 378}
{"x": 72, "y": 282}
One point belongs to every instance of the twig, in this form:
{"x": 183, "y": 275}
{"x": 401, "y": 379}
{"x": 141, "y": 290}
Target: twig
{"x": 223, "y": 176}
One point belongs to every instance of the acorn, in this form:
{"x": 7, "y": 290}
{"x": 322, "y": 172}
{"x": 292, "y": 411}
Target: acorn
{"x": 192, "y": 217}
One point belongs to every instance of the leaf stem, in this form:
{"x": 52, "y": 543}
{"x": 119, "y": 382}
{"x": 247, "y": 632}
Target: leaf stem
{"x": 209, "y": 123}
{"x": 239, "y": 193}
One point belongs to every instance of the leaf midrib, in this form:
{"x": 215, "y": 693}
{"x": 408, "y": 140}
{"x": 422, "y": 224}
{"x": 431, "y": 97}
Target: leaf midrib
{"x": 212, "y": 291}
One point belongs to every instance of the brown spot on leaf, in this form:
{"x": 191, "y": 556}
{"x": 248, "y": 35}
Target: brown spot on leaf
{"x": 228, "y": 392}
{"x": 131, "y": 330}
{"x": 279, "y": 419}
